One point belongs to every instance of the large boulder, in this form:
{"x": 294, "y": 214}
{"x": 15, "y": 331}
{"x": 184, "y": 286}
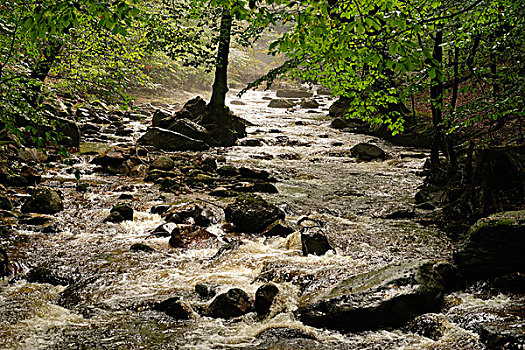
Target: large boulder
{"x": 251, "y": 213}
{"x": 264, "y": 297}
{"x": 367, "y": 151}
{"x": 494, "y": 246}
{"x": 190, "y": 129}
{"x": 162, "y": 118}
{"x": 386, "y": 297}
{"x": 196, "y": 108}
{"x": 233, "y": 303}
{"x": 168, "y": 140}
{"x": 294, "y": 93}
{"x": 44, "y": 201}
{"x": 114, "y": 161}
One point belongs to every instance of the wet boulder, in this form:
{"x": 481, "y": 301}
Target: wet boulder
{"x": 504, "y": 335}
{"x": 431, "y": 326}
{"x": 251, "y": 143}
{"x": 171, "y": 141}
{"x": 264, "y": 297}
{"x": 257, "y": 174}
{"x": 228, "y": 171}
{"x": 175, "y": 308}
{"x": 288, "y": 338}
{"x": 278, "y": 228}
{"x": 314, "y": 241}
{"x": 50, "y": 275}
{"x": 251, "y": 213}
{"x": 189, "y": 214}
{"x": 44, "y": 201}
{"x": 387, "y": 297}
{"x": 366, "y": 151}
{"x": 233, "y": 303}
{"x": 294, "y": 93}
{"x": 120, "y": 212}
{"x": 281, "y": 103}
{"x": 493, "y": 247}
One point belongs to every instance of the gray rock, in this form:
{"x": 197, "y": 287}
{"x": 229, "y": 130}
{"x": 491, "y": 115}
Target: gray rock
{"x": 367, "y": 151}
{"x": 493, "y": 247}
{"x": 44, "y": 201}
{"x": 313, "y": 239}
{"x": 114, "y": 161}
{"x": 281, "y": 103}
{"x": 294, "y": 93}
{"x": 384, "y": 298}
{"x": 162, "y": 118}
{"x": 233, "y": 303}
{"x": 251, "y": 213}
{"x": 171, "y": 141}
{"x": 120, "y": 212}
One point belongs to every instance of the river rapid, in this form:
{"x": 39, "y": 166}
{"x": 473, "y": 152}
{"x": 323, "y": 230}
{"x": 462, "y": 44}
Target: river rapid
{"x": 317, "y": 177}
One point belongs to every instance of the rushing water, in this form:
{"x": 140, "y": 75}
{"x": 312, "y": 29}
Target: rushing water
{"x": 317, "y": 177}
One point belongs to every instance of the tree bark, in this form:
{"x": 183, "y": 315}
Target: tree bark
{"x": 220, "y": 85}
{"x": 436, "y": 100}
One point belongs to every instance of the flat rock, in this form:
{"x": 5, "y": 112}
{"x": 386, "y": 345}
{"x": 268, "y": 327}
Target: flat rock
{"x": 281, "y": 103}
{"x": 386, "y": 297}
{"x": 367, "y": 151}
{"x": 294, "y": 93}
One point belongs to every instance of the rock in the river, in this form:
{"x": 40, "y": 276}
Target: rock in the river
{"x": 367, "y": 151}
{"x": 309, "y": 104}
{"x": 5, "y": 203}
{"x": 120, "y": 212}
{"x": 196, "y": 107}
{"x": 44, "y": 201}
{"x": 163, "y": 163}
{"x": 278, "y": 228}
{"x": 387, "y": 297}
{"x": 251, "y": 213}
{"x": 314, "y": 241}
{"x": 206, "y": 290}
{"x": 339, "y": 108}
{"x": 141, "y": 247}
{"x": 494, "y": 246}
{"x": 171, "y": 141}
{"x": 184, "y": 235}
{"x": 251, "y": 142}
{"x": 190, "y": 213}
{"x": 264, "y": 297}
{"x": 176, "y": 308}
{"x": 233, "y": 303}
{"x": 294, "y": 93}
{"x": 281, "y": 103}
{"x": 510, "y": 335}
{"x": 114, "y": 161}
{"x": 190, "y": 129}
{"x": 512, "y": 283}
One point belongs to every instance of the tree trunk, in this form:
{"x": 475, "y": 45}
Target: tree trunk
{"x": 436, "y": 100}
{"x": 217, "y": 104}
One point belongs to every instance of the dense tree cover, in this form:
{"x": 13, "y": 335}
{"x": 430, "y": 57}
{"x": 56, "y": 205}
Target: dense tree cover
{"x": 379, "y": 53}
{"x": 376, "y": 53}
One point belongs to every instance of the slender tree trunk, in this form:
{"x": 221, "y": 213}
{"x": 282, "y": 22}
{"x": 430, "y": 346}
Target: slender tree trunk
{"x": 436, "y": 100}
{"x": 220, "y": 85}
{"x": 449, "y": 140}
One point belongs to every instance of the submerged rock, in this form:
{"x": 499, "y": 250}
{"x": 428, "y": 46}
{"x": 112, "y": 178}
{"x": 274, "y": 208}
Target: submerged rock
{"x": 367, "y": 151}
{"x": 44, "y": 201}
{"x": 251, "y": 213}
{"x": 383, "y": 298}
{"x": 264, "y": 297}
{"x": 141, "y": 247}
{"x": 46, "y": 274}
{"x": 288, "y": 338}
{"x": 494, "y": 246}
{"x": 171, "y": 141}
{"x": 233, "y": 303}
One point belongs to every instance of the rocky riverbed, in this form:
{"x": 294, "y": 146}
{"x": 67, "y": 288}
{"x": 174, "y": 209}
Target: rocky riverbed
{"x": 280, "y": 242}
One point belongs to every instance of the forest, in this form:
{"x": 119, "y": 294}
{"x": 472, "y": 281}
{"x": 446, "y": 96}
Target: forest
{"x": 262, "y": 174}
